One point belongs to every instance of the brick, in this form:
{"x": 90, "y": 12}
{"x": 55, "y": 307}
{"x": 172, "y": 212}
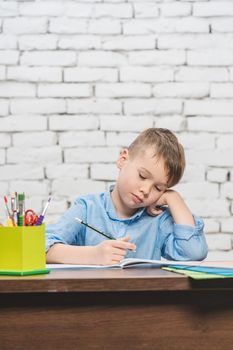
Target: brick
{"x": 38, "y": 106}
{"x": 79, "y": 42}
{"x": 213, "y": 9}
{"x": 158, "y": 57}
{"x": 203, "y": 140}
{"x": 217, "y": 175}
{"x": 211, "y": 226}
{"x": 174, "y": 122}
{"x": 146, "y": 10}
{"x": 201, "y": 74}
{"x": 38, "y": 42}
{"x": 91, "y": 154}
{"x": 219, "y": 241}
{"x": 194, "y": 173}
{"x": 78, "y": 10}
{"x": 8, "y": 42}
{"x": 101, "y": 59}
{"x": 123, "y": 90}
{"x": 21, "y": 172}
{"x": 208, "y": 107}
{"x": 23, "y": 123}
{"x": 104, "y": 26}
{"x": 175, "y": 9}
{"x": 14, "y": 89}
{"x": 220, "y": 256}
{"x": 8, "y": 57}
{"x": 227, "y": 190}
{"x": 94, "y": 106}
{"x": 206, "y": 208}
{"x": 104, "y": 172}
{"x": 25, "y": 25}
{"x": 47, "y": 8}
{"x": 8, "y": 8}
{"x": 35, "y": 74}
{"x": 153, "y": 106}
{"x": 221, "y": 90}
{"x": 2, "y": 156}
{"x": 49, "y": 58}
{"x": 198, "y": 190}
{"x": 146, "y": 74}
{"x": 165, "y": 25}
{"x": 58, "y": 206}
{"x": 5, "y": 140}
{"x": 210, "y": 57}
{"x": 195, "y": 41}
{"x": 72, "y": 171}
{"x": 122, "y": 139}
{"x": 32, "y": 188}
{"x": 224, "y": 142}
{"x": 186, "y": 90}
{"x": 34, "y": 139}
{"x": 90, "y": 74}
{"x": 4, "y": 107}
{"x": 82, "y": 138}
{"x": 222, "y": 25}
{"x": 41, "y": 155}
{"x": 128, "y": 43}
{"x": 216, "y": 158}
{"x": 67, "y": 26}
{"x": 2, "y": 73}
{"x": 125, "y": 123}
{"x": 75, "y": 188}
{"x": 64, "y": 90}
{"x": 112, "y": 10}
{"x": 227, "y": 225}
{"x": 74, "y": 122}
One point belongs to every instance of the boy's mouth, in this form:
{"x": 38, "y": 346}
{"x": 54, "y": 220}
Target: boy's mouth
{"x": 136, "y": 199}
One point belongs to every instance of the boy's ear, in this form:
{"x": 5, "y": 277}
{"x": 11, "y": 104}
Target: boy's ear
{"x": 123, "y": 157}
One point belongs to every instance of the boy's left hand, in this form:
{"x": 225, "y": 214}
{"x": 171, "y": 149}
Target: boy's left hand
{"x": 154, "y": 209}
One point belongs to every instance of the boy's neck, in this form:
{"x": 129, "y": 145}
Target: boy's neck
{"x": 122, "y": 212}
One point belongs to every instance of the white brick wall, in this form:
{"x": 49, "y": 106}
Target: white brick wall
{"x": 80, "y": 79}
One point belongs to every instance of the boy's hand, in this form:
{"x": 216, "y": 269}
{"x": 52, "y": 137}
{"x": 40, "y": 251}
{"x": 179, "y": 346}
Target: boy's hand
{"x": 154, "y": 209}
{"x": 111, "y": 252}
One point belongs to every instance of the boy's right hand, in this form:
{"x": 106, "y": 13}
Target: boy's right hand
{"x": 110, "y": 252}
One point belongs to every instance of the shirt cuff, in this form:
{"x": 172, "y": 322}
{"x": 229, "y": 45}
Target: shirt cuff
{"x": 186, "y": 231}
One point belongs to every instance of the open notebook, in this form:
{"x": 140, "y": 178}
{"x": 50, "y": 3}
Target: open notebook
{"x": 132, "y": 262}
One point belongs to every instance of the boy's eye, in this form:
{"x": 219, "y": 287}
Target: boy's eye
{"x": 141, "y": 176}
{"x": 158, "y": 189}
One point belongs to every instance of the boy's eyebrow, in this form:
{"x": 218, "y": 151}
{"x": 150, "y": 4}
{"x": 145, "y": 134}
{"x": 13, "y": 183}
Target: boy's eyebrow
{"x": 149, "y": 173}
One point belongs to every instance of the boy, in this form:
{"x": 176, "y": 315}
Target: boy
{"x": 130, "y": 211}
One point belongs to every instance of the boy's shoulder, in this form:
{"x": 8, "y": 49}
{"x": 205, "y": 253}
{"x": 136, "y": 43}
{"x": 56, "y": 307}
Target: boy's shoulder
{"x": 91, "y": 198}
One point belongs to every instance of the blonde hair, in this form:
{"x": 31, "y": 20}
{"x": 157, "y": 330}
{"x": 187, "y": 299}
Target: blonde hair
{"x": 165, "y": 145}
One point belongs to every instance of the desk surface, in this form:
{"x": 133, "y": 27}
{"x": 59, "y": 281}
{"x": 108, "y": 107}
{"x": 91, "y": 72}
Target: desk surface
{"x": 122, "y": 280}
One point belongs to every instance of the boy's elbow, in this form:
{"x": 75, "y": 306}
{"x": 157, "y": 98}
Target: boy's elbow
{"x": 199, "y": 252}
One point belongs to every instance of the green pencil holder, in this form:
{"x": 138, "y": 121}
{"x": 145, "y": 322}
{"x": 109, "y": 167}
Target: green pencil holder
{"x": 22, "y": 250}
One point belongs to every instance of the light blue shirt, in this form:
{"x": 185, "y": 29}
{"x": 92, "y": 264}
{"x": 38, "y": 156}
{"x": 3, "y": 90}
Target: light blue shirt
{"x": 155, "y": 237}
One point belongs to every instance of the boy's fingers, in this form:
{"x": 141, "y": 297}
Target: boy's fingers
{"x": 124, "y": 244}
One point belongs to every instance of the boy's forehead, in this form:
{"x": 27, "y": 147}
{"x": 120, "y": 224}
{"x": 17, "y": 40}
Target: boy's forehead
{"x": 153, "y": 165}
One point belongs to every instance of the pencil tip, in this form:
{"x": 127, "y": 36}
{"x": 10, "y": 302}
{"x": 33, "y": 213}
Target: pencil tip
{"x": 78, "y": 219}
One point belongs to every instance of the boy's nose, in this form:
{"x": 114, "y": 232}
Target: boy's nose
{"x": 145, "y": 189}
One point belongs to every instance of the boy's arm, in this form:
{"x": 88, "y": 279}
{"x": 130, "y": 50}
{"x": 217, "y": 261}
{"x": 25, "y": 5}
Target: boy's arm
{"x": 107, "y": 252}
{"x": 181, "y": 232}
{"x": 178, "y": 208}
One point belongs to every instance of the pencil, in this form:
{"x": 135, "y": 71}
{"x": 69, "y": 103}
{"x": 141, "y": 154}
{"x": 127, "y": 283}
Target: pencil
{"x": 94, "y": 229}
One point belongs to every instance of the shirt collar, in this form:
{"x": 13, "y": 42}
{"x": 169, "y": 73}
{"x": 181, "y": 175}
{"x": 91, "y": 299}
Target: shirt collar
{"x": 110, "y": 209}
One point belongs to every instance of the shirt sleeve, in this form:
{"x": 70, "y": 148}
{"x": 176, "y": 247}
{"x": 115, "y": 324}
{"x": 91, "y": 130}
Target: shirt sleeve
{"x": 67, "y": 230}
{"x": 183, "y": 242}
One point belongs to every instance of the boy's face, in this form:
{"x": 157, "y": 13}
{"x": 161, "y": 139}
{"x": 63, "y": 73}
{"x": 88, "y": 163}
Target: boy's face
{"x": 141, "y": 182}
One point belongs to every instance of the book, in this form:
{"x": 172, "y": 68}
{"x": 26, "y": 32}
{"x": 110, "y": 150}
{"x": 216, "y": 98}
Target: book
{"x": 133, "y": 262}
